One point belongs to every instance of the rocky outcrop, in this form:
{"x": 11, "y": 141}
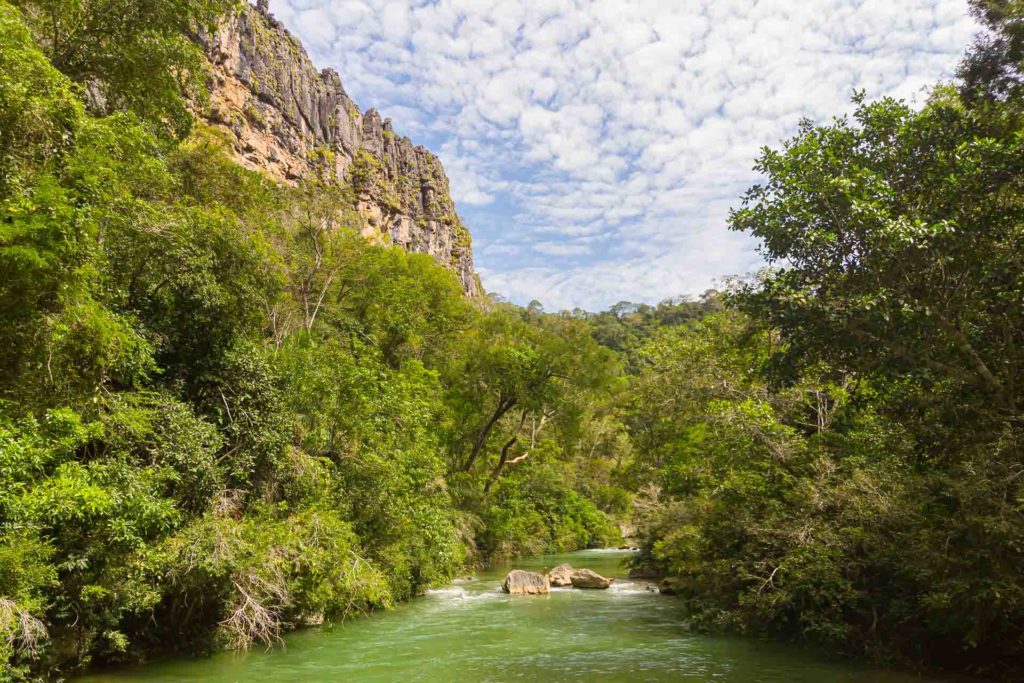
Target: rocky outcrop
{"x": 586, "y": 578}
{"x": 561, "y": 575}
{"x": 291, "y": 121}
{"x": 519, "y": 582}
{"x": 566, "y": 575}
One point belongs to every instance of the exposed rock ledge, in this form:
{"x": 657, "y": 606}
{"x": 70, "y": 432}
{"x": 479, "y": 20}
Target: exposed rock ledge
{"x": 519, "y": 582}
{"x": 291, "y": 121}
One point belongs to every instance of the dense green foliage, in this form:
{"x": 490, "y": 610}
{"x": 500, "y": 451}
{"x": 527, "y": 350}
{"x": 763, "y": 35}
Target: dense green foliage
{"x": 223, "y": 413}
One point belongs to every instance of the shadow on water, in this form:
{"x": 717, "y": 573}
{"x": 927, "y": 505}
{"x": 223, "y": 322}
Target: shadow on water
{"x": 470, "y": 631}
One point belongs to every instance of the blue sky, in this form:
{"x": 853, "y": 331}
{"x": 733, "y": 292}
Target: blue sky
{"x": 595, "y": 148}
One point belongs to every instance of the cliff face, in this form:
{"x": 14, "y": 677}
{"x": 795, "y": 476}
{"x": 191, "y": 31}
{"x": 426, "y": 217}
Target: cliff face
{"x": 291, "y": 121}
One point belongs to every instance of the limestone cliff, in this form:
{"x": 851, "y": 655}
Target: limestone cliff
{"x": 290, "y": 120}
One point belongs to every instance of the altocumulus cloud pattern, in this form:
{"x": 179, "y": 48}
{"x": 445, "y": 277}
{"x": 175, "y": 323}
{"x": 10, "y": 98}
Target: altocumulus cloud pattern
{"x": 596, "y": 147}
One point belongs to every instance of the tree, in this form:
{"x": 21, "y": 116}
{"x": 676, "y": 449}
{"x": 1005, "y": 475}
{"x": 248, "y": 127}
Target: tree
{"x": 992, "y": 68}
{"x": 128, "y": 54}
{"x": 900, "y": 237}
{"x": 39, "y": 114}
{"x": 522, "y": 372}
{"x": 320, "y": 224}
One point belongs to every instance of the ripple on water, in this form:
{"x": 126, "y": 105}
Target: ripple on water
{"x": 633, "y": 588}
{"x": 459, "y": 594}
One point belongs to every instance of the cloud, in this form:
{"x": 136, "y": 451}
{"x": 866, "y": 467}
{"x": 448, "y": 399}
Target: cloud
{"x": 561, "y": 248}
{"x": 595, "y": 146}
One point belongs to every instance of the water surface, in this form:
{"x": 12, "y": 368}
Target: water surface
{"x": 470, "y": 631}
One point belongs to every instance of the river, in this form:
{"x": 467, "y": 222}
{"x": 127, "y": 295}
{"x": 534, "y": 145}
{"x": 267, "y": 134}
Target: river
{"x": 470, "y": 631}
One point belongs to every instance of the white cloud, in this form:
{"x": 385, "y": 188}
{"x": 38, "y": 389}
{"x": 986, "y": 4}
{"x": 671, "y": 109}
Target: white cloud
{"x": 595, "y": 146}
{"x": 561, "y": 248}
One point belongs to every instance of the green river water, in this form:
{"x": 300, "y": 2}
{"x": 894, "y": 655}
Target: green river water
{"x": 470, "y": 631}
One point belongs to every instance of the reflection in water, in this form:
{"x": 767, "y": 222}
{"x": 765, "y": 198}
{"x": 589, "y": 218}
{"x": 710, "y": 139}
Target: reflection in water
{"x": 470, "y": 631}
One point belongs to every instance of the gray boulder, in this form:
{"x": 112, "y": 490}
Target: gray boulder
{"x": 586, "y": 578}
{"x": 519, "y": 582}
{"x": 561, "y": 575}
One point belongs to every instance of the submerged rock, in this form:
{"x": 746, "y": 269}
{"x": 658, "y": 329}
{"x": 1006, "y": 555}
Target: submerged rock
{"x": 519, "y": 582}
{"x": 586, "y": 578}
{"x": 561, "y": 575}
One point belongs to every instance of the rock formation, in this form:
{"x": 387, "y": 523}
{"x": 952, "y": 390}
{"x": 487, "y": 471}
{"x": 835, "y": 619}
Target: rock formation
{"x": 561, "y": 575}
{"x": 586, "y": 578}
{"x": 291, "y": 121}
{"x": 566, "y": 575}
{"x": 519, "y": 582}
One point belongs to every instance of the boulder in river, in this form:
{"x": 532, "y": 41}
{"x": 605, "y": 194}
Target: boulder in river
{"x": 519, "y": 582}
{"x": 561, "y": 575}
{"x": 586, "y": 578}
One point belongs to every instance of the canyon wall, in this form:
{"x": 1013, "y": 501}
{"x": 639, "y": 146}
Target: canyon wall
{"x": 290, "y": 120}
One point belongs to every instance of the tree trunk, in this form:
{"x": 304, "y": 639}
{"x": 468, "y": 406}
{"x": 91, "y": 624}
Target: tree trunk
{"x": 504, "y": 405}
{"x": 496, "y": 472}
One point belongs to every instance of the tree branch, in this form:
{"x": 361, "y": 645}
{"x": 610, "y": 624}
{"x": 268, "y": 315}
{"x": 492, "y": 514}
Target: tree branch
{"x": 504, "y": 405}
{"x": 496, "y": 472}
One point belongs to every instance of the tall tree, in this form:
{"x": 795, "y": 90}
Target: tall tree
{"x": 994, "y": 66}
{"x": 900, "y": 243}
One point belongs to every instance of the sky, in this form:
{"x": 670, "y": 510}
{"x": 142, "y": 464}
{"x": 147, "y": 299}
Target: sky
{"x": 595, "y": 147}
